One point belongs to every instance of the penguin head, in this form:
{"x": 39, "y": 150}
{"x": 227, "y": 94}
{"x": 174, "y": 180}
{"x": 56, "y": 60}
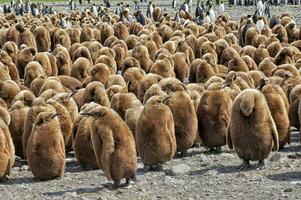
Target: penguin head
{"x": 230, "y": 79}
{"x": 98, "y": 112}
{"x": 45, "y": 117}
{"x": 260, "y": 18}
{"x": 263, "y": 82}
{"x": 5, "y": 116}
{"x": 288, "y": 75}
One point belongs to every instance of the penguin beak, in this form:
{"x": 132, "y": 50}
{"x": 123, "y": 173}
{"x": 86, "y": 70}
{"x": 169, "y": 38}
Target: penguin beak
{"x": 55, "y": 115}
{"x": 73, "y": 93}
{"x": 86, "y": 114}
{"x": 225, "y": 85}
{"x": 165, "y": 99}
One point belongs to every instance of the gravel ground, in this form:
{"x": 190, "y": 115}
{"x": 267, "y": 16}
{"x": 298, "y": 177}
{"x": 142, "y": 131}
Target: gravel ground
{"x": 200, "y": 175}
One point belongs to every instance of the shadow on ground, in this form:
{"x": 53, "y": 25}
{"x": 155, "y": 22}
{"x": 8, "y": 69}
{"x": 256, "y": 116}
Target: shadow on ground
{"x": 288, "y": 176}
{"x": 78, "y": 191}
{"x": 19, "y": 181}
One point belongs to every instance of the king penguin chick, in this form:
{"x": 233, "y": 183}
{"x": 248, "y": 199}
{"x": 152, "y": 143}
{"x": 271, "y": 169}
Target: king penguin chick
{"x": 46, "y": 148}
{"x": 155, "y": 134}
{"x": 251, "y": 130}
{"x": 113, "y": 144}
{"x": 7, "y": 150}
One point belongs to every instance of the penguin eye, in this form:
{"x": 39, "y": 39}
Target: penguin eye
{"x": 100, "y": 114}
{"x": 40, "y": 122}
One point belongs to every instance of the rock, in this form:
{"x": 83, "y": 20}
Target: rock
{"x": 288, "y": 190}
{"x": 68, "y": 160}
{"x": 118, "y": 191}
{"x": 101, "y": 198}
{"x": 19, "y": 162}
{"x": 178, "y": 170}
{"x": 204, "y": 158}
{"x": 212, "y": 172}
{"x": 287, "y": 165}
{"x": 71, "y": 196}
{"x": 242, "y": 175}
{"x": 227, "y": 155}
{"x": 294, "y": 156}
{"x": 24, "y": 167}
{"x": 276, "y": 157}
{"x": 15, "y": 169}
{"x": 295, "y": 182}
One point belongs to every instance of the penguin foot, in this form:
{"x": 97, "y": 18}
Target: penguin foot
{"x": 146, "y": 168}
{"x": 261, "y": 165}
{"x": 245, "y": 165}
{"x": 157, "y": 167}
{"x": 181, "y": 154}
{"x": 134, "y": 179}
{"x": 116, "y": 185}
{"x": 218, "y": 150}
{"x": 197, "y": 145}
{"x": 127, "y": 181}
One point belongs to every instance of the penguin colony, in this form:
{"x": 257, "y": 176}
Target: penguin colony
{"x": 116, "y": 85}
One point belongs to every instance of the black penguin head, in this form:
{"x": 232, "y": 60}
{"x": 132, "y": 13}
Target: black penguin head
{"x": 260, "y": 18}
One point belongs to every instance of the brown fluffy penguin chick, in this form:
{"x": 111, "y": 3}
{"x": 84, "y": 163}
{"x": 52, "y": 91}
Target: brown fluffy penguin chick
{"x": 8, "y": 90}
{"x": 278, "y": 112}
{"x": 95, "y": 91}
{"x": 132, "y": 115}
{"x": 155, "y": 134}
{"x": 213, "y": 118}
{"x": 68, "y": 102}
{"x": 184, "y": 116}
{"x": 5, "y": 165}
{"x": 114, "y": 145}
{"x": 82, "y": 142}
{"x": 46, "y": 149}
{"x": 39, "y": 105}
{"x": 4, "y": 123}
{"x": 133, "y": 77}
{"x": 154, "y": 90}
{"x": 18, "y": 112}
{"x": 299, "y": 116}
{"x": 65, "y": 122}
{"x": 146, "y": 82}
{"x": 121, "y": 101}
{"x": 25, "y": 96}
{"x": 251, "y": 130}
